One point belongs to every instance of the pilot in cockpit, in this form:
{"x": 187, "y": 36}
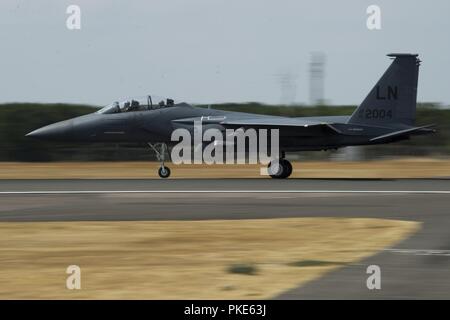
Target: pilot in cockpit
{"x": 116, "y": 107}
{"x": 134, "y": 105}
{"x": 126, "y": 106}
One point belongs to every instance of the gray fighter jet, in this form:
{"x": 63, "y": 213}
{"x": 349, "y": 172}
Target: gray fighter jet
{"x": 386, "y": 115}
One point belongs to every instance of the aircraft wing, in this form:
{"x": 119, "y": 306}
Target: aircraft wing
{"x": 265, "y": 122}
{"x": 279, "y": 123}
{"x": 405, "y": 132}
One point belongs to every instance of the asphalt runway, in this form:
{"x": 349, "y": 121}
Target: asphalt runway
{"x": 418, "y": 267}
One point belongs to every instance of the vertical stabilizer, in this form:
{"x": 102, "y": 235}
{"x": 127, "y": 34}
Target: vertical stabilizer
{"x": 393, "y": 99}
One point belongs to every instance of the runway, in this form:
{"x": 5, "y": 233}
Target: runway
{"x": 418, "y": 267}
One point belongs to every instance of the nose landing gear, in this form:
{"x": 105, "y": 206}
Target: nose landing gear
{"x": 163, "y": 171}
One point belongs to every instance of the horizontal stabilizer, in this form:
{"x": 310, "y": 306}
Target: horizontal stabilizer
{"x": 395, "y": 134}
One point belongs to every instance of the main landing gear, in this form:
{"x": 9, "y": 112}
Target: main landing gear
{"x": 160, "y": 150}
{"x": 279, "y": 168}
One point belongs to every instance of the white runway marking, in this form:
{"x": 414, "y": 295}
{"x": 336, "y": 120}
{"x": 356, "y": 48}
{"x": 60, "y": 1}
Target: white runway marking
{"x": 224, "y": 191}
{"x": 421, "y": 252}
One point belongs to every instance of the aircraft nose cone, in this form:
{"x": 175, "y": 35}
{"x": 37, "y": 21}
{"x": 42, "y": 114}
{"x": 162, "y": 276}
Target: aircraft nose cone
{"x": 54, "y": 131}
{"x": 36, "y": 133}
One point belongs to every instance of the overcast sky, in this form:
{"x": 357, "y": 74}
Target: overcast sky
{"x": 208, "y": 51}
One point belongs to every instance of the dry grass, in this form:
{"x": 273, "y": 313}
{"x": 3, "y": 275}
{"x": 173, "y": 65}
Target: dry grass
{"x": 184, "y": 259}
{"x": 409, "y": 168}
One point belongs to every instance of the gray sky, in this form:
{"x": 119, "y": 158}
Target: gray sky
{"x": 214, "y": 51}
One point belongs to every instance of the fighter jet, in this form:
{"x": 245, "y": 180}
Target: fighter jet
{"x": 386, "y": 115}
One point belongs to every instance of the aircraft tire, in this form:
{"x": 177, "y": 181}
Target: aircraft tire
{"x": 164, "y": 172}
{"x": 287, "y": 166}
{"x": 281, "y": 171}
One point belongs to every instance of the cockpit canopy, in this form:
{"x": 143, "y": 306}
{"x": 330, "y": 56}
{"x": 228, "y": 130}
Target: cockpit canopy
{"x": 150, "y": 102}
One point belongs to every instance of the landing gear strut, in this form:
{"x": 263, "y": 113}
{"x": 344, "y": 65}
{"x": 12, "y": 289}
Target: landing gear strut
{"x": 160, "y": 150}
{"x": 280, "y": 168}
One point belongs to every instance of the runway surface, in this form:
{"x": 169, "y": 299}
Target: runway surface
{"x": 418, "y": 267}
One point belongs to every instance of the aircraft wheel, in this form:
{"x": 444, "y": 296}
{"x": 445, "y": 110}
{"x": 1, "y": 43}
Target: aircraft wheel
{"x": 287, "y": 166}
{"x": 276, "y": 169}
{"x": 164, "y": 172}
{"x": 280, "y": 169}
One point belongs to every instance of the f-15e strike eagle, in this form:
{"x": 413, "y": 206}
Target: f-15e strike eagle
{"x": 386, "y": 115}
